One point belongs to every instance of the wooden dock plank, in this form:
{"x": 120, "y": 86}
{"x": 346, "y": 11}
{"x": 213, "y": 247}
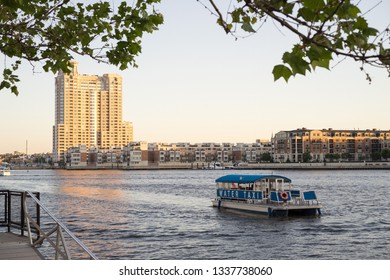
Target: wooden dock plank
{"x": 15, "y": 247}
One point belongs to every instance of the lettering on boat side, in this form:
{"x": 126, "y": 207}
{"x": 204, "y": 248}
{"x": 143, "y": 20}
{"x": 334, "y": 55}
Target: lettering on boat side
{"x": 239, "y": 194}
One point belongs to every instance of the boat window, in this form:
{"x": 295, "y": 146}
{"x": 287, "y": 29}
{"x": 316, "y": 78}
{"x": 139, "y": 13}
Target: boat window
{"x": 265, "y": 182}
{"x": 279, "y": 184}
{"x": 266, "y": 194}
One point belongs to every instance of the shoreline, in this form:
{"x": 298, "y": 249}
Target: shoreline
{"x": 249, "y": 166}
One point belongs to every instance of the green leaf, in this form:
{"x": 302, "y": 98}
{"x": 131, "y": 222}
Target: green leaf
{"x": 324, "y": 63}
{"x": 4, "y": 84}
{"x": 384, "y": 56}
{"x": 288, "y": 8}
{"x": 236, "y": 15}
{"x": 339, "y": 43}
{"x": 322, "y": 40}
{"x": 307, "y": 14}
{"x": 14, "y": 90}
{"x": 361, "y": 23}
{"x": 353, "y": 11}
{"x": 356, "y": 40}
{"x": 281, "y": 71}
{"x": 295, "y": 60}
{"x": 7, "y": 72}
{"x": 246, "y": 26}
{"x": 370, "y": 32}
{"x": 314, "y": 5}
{"x": 348, "y": 11}
{"x": 317, "y": 53}
{"x": 347, "y": 26}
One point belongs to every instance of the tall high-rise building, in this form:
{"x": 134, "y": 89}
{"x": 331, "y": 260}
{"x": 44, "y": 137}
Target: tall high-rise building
{"x": 88, "y": 111}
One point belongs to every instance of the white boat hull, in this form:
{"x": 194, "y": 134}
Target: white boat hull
{"x": 268, "y": 209}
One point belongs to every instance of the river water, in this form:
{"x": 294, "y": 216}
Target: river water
{"x": 168, "y": 215}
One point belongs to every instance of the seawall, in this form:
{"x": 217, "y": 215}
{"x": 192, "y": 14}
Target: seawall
{"x": 249, "y": 166}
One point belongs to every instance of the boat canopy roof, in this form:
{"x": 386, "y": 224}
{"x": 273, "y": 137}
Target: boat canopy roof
{"x": 245, "y": 179}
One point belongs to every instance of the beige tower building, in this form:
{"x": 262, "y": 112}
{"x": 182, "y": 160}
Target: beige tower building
{"x": 88, "y": 111}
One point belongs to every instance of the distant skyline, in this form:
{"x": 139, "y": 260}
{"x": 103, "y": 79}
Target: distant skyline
{"x": 197, "y": 84}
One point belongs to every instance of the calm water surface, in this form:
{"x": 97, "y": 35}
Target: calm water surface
{"x": 168, "y": 215}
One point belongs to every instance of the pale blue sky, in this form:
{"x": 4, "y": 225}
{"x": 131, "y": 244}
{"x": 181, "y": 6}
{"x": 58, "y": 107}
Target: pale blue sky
{"x": 196, "y": 84}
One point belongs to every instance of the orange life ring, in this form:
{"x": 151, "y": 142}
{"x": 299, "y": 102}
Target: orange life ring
{"x": 283, "y": 195}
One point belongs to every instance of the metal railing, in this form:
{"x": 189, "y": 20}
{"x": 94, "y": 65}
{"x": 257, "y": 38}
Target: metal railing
{"x": 12, "y": 214}
{"x": 27, "y": 210}
{"x": 60, "y": 245}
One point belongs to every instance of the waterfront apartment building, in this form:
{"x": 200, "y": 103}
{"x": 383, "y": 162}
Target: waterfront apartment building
{"x": 88, "y": 112}
{"x": 329, "y": 144}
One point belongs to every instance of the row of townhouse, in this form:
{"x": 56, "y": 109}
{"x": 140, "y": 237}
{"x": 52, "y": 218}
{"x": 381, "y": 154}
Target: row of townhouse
{"x": 321, "y": 145}
{"x": 285, "y": 146}
{"x": 82, "y": 156}
{"x": 144, "y": 154}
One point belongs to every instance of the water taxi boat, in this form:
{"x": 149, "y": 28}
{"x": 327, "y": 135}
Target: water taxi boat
{"x": 272, "y": 195}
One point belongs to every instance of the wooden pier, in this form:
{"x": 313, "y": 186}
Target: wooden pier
{"x": 16, "y": 247}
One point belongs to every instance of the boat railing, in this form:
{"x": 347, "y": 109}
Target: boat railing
{"x": 62, "y": 233}
{"x": 310, "y": 197}
{"x": 294, "y": 197}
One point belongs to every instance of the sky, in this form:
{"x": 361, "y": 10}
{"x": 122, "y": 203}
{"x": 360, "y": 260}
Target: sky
{"x": 196, "y": 84}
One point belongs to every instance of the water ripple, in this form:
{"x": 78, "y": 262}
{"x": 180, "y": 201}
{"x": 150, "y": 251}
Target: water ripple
{"x": 168, "y": 215}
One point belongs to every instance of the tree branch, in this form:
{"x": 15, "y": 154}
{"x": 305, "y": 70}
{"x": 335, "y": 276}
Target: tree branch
{"x": 222, "y": 21}
{"x": 269, "y": 10}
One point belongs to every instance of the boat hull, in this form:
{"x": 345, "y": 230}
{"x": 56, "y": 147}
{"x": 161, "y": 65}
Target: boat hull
{"x": 269, "y": 209}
